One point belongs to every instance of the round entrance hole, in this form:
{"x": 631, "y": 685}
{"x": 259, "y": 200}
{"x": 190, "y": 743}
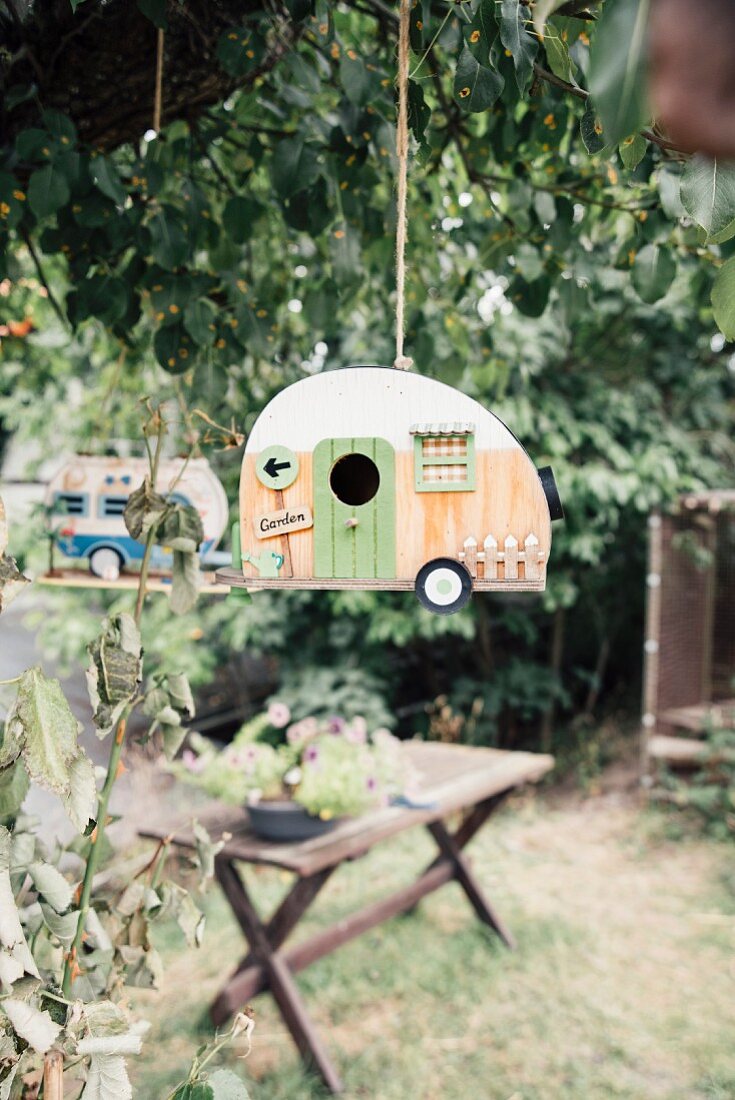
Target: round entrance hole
{"x": 354, "y": 479}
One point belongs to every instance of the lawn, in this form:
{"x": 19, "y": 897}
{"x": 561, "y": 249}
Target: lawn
{"x": 623, "y": 983}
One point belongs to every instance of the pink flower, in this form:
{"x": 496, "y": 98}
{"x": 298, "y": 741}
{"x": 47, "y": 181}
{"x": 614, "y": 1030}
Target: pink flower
{"x": 357, "y": 731}
{"x": 336, "y": 725}
{"x": 302, "y": 731}
{"x": 192, "y": 762}
{"x": 244, "y": 758}
{"x": 279, "y": 715}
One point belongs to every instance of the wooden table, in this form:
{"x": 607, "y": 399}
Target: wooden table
{"x": 452, "y": 778}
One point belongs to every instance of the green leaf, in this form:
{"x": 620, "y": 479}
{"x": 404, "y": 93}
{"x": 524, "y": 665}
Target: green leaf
{"x": 344, "y": 247}
{"x": 169, "y": 296}
{"x": 48, "y": 191}
{"x": 723, "y": 299}
{"x": 633, "y": 150}
{"x": 529, "y": 298}
{"x": 170, "y": 240}
{"x": 419, "y": 112}
{"x": 515, "y": 37}
{"x": 199, "y": 321}
{"x": 63, "y": 927}
{"x": 33, "y": 145}
{"x": 155, "y": 10}
{"x": 179, "y": 904}
{"x": 169, "y": 702}
{"x": 105, "y": 176}
{"x": 14, "y": 785}
{"x": 182, "y": 528}
{"x": 299, "y": 10}
{"x": 197, "y": 1091}
{"x": 557, "y": 56}
{"x": 240, "y": 50}
{"x": 172, "y": 346}
{"x": 355, "y": 78}
{"x": 481, "y": 32}
{"x": 669, "y": 191}
{"x": 145, "y": 508}
{"x": 617, "y": 67}
{"x": 12, "y": 581}
{"x": 542, "y": 11}
{"x": 226, "y": 1086}
{"x": 592, "y": 132}
{"x": 708, "y": 194}
{"x": 117, "y": 1043}
{"x": 43, "y": 722}
{"x": 80, "y": 800}
{"x": 36, "y": 1027}
{"x": 12, "y": 937}
{"x": 107, "y": 1079}
{"x": 60, "y": 126}
{"x": 653, "y": 272}
{"x": 476, "y": 87}
{"x": 115, "y": 672}
{"x": 206, "y": 850}
{"x": 419, "y": 25}
{"x": 51, "y": 885}
{"x": 238, "y": 218}
{"x": 12, "y": 201}
{"x": 294, "y": 167}
{"x": 102, "y": 296}
{"x": 16, "y": 94}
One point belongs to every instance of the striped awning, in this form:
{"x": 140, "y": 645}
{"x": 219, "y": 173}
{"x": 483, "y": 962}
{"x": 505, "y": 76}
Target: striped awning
{"x": 448, "y": 427}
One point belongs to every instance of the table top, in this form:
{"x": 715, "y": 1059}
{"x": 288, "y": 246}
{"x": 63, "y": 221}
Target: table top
{"x": 449, "y": 778}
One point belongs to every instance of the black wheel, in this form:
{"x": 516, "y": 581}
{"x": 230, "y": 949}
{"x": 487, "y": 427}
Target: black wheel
{"x": 443, "y": 586}
{"x": 106, "y": 563}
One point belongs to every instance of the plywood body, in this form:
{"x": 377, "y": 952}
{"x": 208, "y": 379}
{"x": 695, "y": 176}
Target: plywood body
{"x": 377, "y": 407}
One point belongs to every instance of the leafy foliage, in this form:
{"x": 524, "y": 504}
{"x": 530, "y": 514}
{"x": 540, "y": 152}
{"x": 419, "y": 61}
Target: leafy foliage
{"x": 709, "y": 795}
{"x": 65, "y": 949}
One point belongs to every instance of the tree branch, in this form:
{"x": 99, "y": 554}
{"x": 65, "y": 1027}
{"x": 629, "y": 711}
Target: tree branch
{"x": 41, "y": 275}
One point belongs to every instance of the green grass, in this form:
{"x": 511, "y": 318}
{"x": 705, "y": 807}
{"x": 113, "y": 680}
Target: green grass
{"x": 623, "y": 983}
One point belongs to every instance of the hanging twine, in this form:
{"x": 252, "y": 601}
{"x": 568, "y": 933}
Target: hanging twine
{"x": 159, "y": 83}
{"x": 402, "y": 362}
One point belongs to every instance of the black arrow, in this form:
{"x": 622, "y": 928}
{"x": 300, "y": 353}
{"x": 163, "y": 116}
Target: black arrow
{"x": 272, "y": 467}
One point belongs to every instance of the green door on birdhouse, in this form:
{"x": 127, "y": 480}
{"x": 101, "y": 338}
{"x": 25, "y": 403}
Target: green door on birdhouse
{"x": 354, "y": 509}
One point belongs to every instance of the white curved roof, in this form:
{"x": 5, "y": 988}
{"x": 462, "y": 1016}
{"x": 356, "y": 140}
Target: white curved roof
{"x": 370, "y": 401}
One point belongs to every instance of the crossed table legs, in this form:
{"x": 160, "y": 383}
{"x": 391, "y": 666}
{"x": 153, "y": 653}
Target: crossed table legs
{"x": 270, "y": 965}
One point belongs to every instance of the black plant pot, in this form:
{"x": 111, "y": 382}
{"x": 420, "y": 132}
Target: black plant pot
{"x": 286, "y": 821}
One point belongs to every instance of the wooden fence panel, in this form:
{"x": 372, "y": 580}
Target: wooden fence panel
{"x": 470, "y": 555}
{"x": 491, "y": 558}
{"x": 511, "y": 558}
{"x": 482, "y": 563}
{"x": 532, "y": 558}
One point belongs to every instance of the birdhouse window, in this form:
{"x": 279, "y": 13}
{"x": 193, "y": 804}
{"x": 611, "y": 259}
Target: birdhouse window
{"x": 444, "y": 457}
{"x": 72, "y": 504}
{"x": 110, "y": 506}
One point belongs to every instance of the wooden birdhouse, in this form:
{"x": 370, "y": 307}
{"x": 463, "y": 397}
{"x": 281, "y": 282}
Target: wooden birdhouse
{"x": 369, "y": 477}
{"x": 89, "y": 494}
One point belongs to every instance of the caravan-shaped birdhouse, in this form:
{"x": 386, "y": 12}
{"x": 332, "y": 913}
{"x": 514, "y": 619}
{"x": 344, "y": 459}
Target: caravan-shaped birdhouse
{"x": 89, "y": 494}
{"x": 369, "y": 477}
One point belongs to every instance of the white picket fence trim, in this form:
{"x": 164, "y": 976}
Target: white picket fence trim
{"x": 489, "y": 557}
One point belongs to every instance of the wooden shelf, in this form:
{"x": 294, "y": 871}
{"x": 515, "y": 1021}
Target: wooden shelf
{"x": 700, "y": 717}
{"x": 675, "y": 750}
{"x": 158, "y": 582}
